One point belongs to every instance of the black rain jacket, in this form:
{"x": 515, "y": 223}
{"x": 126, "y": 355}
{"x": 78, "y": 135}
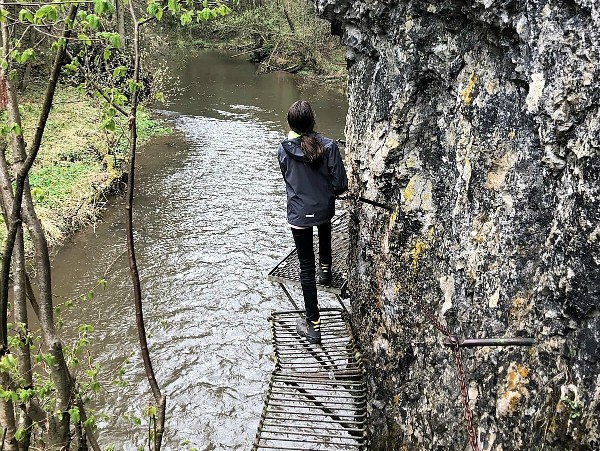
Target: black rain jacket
{"x": 311, "y": 190}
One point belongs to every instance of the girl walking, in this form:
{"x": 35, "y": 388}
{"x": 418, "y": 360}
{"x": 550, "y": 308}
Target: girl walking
{"x": 314, "y": 175}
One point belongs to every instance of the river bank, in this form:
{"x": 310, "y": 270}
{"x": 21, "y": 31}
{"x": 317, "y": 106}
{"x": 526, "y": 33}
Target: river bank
{"x": 79, "y": 164}
{"x": 277, "y": 37}
{"x": 210, "y": 223}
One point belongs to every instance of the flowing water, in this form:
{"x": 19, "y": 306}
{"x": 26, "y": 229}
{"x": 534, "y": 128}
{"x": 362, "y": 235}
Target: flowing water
{"x": 210, "y": 223}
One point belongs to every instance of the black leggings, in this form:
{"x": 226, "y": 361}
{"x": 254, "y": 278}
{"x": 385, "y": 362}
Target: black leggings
{"x": 303, "y": 238}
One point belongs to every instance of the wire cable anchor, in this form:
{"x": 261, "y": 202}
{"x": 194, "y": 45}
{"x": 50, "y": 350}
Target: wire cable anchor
{"x": 454, "y": 341}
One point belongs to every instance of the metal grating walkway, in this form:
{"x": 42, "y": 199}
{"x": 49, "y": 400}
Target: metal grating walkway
{"x": 316, "y": 399}
{"x": 288, "y": 270}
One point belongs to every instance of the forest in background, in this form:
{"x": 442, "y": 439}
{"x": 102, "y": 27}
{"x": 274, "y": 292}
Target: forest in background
{"x": 278, "y": 36}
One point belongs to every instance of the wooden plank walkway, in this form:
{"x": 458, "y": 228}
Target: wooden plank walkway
{"x": 316, "y": 398}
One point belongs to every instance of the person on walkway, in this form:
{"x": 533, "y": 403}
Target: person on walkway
{"x": 314, "y": 175}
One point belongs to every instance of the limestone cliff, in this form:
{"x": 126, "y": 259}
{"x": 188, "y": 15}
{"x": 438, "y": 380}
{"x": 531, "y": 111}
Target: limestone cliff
{"x": 478, "y": 120}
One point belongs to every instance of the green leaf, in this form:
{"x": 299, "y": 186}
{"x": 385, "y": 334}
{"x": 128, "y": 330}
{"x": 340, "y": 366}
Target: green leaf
{"x": 84, "y": 38}
{"x": 150, "y": 411}
{"x": 102, "y": 6}
{"x": 115, "y": 41}
{"x": 38, "y": 193}
{"x": 119, "y": 71}
{"x": 25, "y": 56}
{"x": 93, "y": 20}
{"x": 86, "y": 328}
{"x": 25, "y": 15}
{"x": 74, "y": 414}
{"x": 133, "y": 87}
{"x": 107, "y": 54}
{"x": 25, "y": 395}
{"x": 73, "y": 66}
{"x": 154, "y": 10}
{"x": 4, "y": 130}
{"x": 205, "y": 14}
{"x": 112, "y": 38}
{"x": 49, "y": 359}
{"x": 186, "y": 18}
{"x": 118, "y": 99}
{"x": 48, "y": 12}
{"x": 3, "y": 15}
{"x": 90, "y": 422}
{"x": 19, "y": 434}
{"x": 173, "y": 6}
{"x": 57, "y": 44}
{"x": 16, "y": 129}
{"x": 7, "y": 363}
{"x": 108, "y": 124}
{"x": 99, "y": 6}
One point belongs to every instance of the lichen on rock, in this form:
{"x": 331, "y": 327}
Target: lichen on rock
{"x": 480, "y": 121}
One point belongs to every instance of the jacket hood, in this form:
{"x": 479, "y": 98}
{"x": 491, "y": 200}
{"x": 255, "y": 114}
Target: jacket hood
{"x": 293, "y": 149}
{"x": 292, "y": 146}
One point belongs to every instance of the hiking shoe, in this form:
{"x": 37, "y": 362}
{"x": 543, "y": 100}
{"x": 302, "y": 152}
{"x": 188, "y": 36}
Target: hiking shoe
{"x": 325, "y": 274}
{"x": 311, "y": 330}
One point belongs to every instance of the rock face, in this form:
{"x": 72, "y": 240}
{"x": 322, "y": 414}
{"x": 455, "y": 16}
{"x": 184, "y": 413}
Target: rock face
{"x": 479, "y": 121}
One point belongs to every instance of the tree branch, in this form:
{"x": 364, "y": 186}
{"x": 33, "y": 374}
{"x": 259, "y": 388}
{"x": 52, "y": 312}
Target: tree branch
{"x": 133, "y": 269}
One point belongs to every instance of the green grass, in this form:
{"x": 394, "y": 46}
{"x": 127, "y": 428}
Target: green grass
{"x": 52, "y": 185}
{"x": 77, "y": 162}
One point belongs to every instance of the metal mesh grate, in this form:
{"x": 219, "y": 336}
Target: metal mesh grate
{"x": 339, "y": 224}
{"x": 288, "y": 270}
{"x": 316, "y": 398}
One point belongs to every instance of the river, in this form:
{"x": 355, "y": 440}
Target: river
{"x": 210, "y": 223}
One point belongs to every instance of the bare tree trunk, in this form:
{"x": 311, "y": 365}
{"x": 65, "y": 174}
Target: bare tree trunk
{"x": 21, "y": 320}
{"x": 19, "y": 299}
{"x": 31, "y": 411}
{"x": 89, "y": 433}
{"x": 58, "y": 425}
{"x": 7, "y": 409}
{"x": 288, "y": 18}
{"x": 135, "y": 278}
{"x": 7, "y": 418}
{"x": 120, "y": 8}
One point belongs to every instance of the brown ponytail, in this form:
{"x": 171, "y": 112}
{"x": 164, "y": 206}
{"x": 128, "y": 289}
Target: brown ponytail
{"x": 301, "y": 119}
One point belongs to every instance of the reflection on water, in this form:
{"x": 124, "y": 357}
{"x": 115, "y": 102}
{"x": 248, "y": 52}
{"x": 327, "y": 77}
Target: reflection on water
{"x": 210, "y": 223}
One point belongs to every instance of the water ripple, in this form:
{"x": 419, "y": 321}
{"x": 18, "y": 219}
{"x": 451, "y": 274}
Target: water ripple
{"x": 210, "y": 223}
